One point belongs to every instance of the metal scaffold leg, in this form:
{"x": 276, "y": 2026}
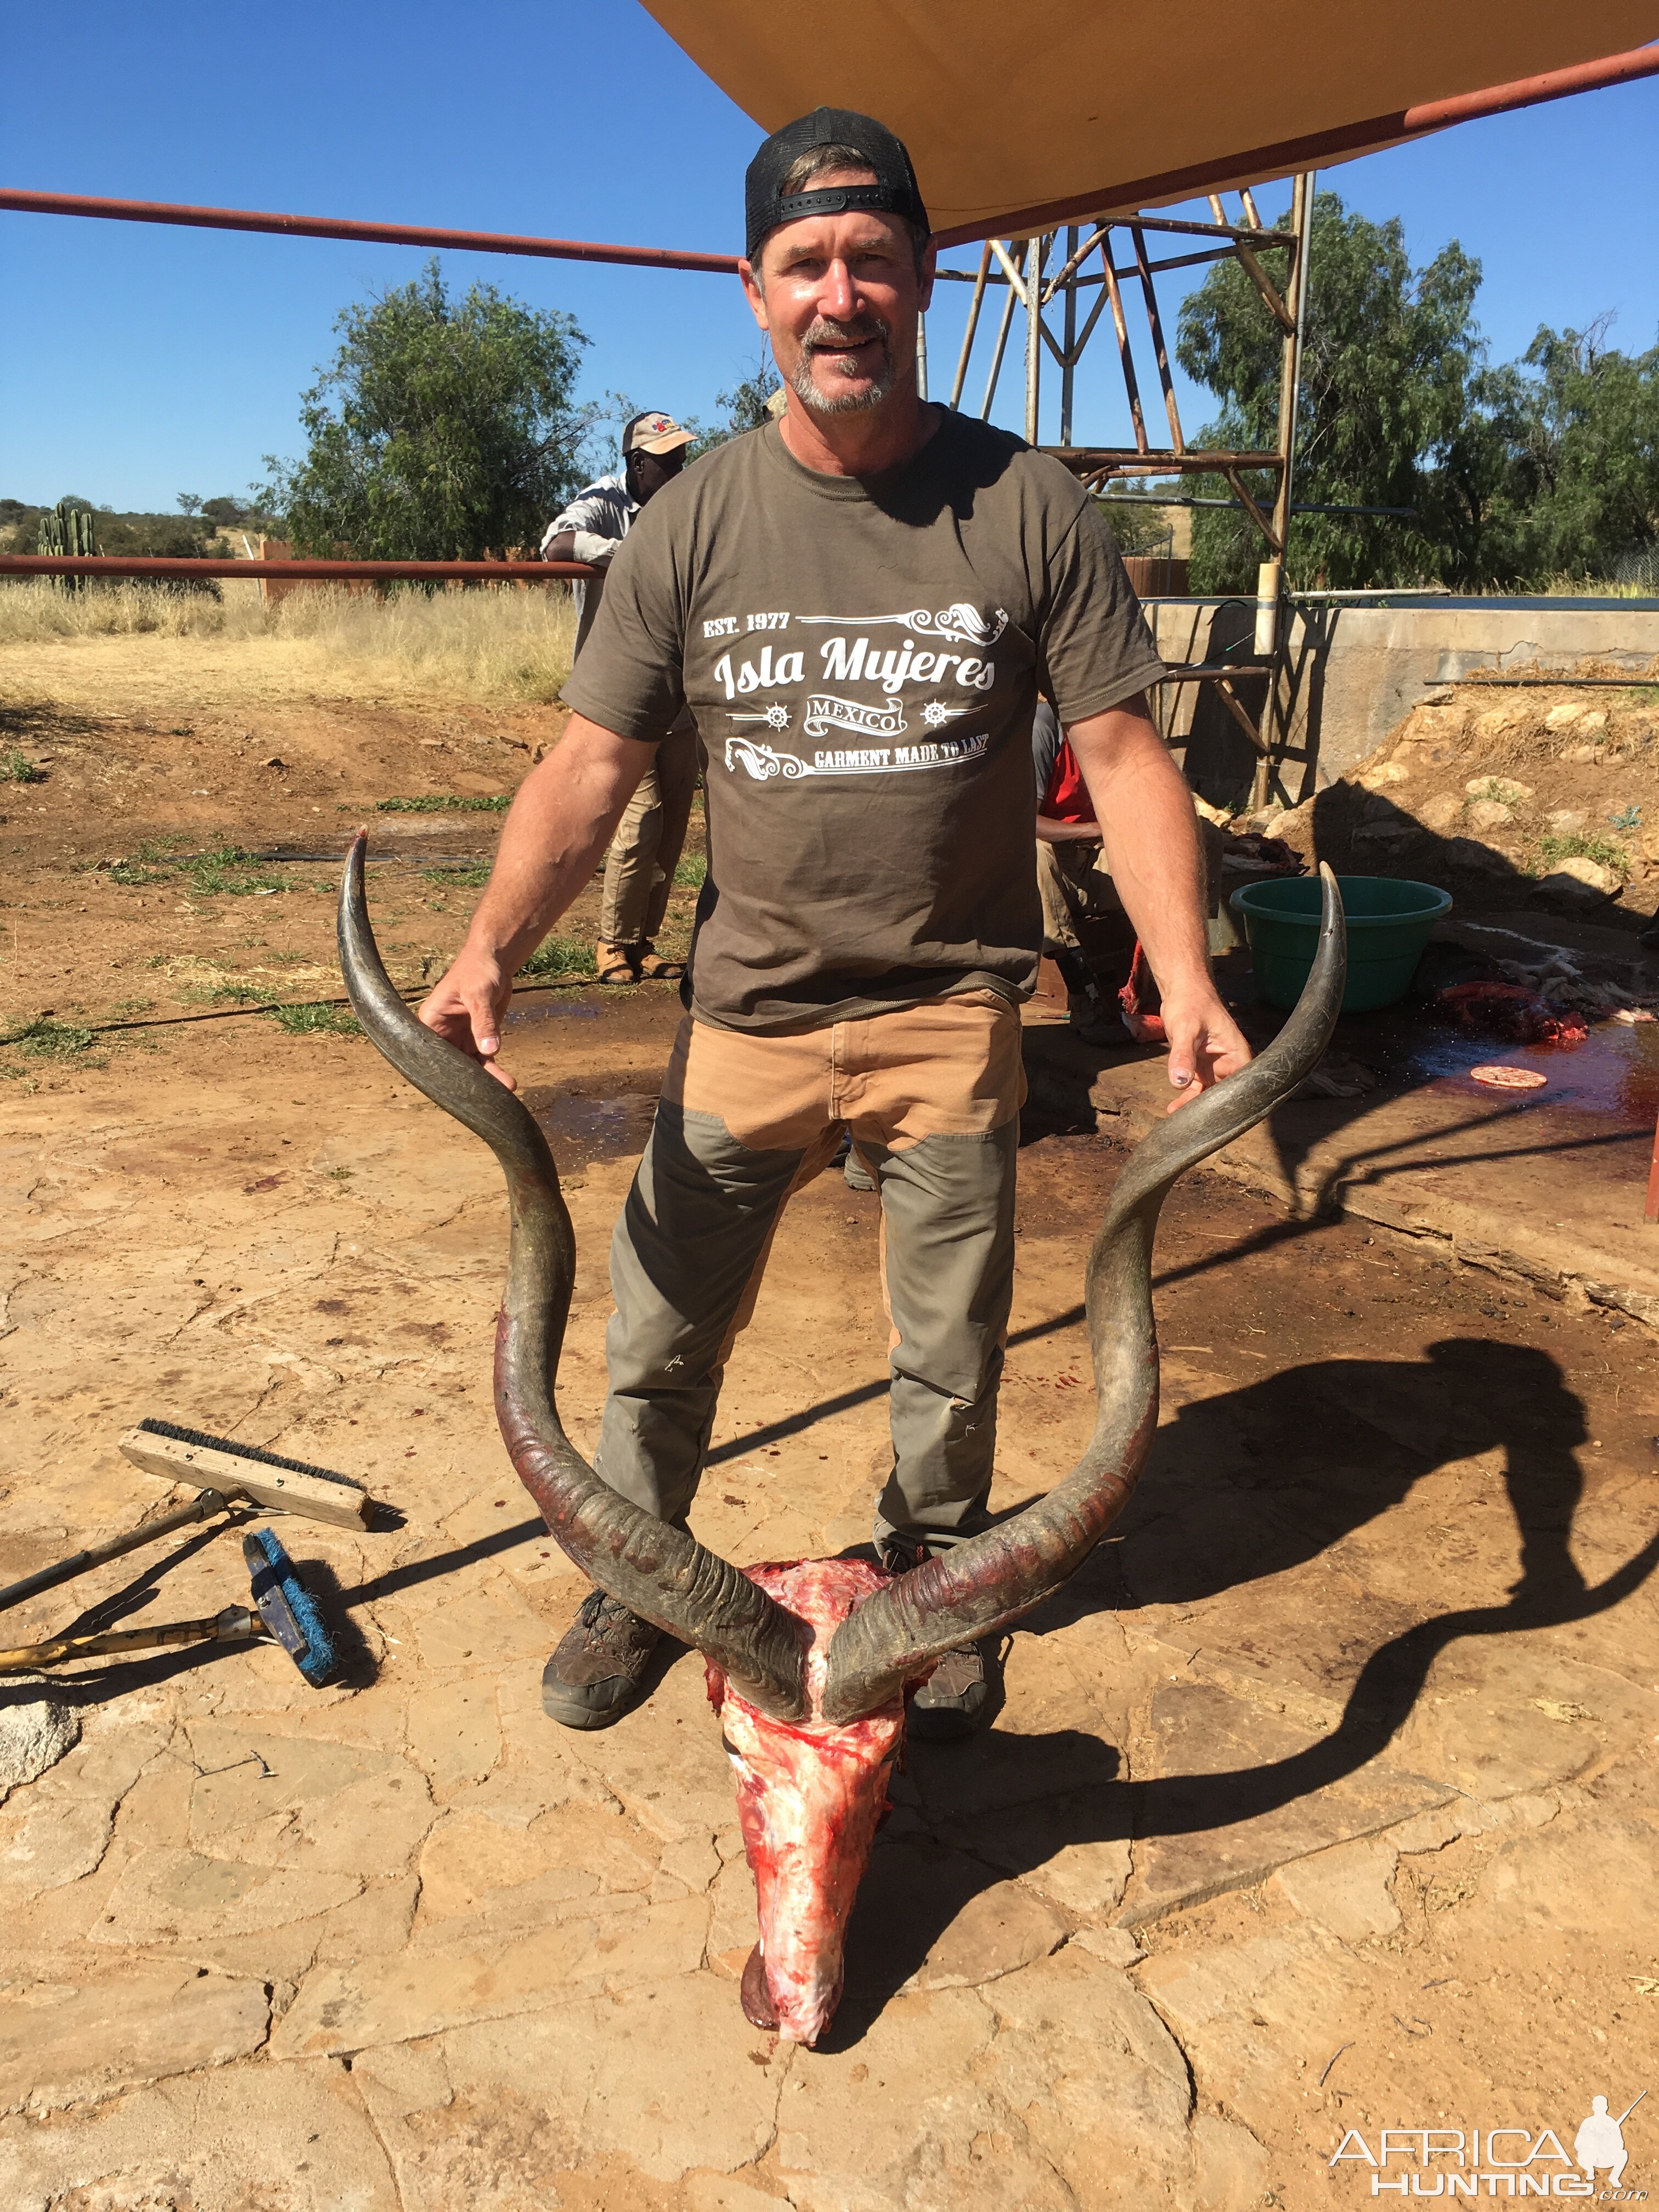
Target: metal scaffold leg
{"x": 1131, "y": 249}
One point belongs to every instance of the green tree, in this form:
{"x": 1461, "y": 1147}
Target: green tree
{"x": 1585, "y": 451}
{"x": 1484, "y": 505}
{"x": 745, "y": 407}
{"x": 442, "y": 429}
{"x": 1390, "y": 353}
{"x": 1136, "y": 525}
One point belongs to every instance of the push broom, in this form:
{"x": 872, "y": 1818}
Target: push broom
{"x": 284, "y": 1610}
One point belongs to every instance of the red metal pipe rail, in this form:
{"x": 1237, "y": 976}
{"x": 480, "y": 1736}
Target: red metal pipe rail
{"x": 376, "y": 233}
{"x": 372, "y": 572}
{"x": 1290, "y": 155}
{"x": 1282, "y": 159}
{"x": 1533, "y": 91}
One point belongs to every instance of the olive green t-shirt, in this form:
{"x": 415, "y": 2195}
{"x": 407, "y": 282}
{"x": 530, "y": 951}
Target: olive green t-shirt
{"x": 863, "y": 657}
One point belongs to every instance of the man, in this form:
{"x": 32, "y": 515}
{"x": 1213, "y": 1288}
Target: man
{"x": 639, "y": 870}
{"x": 858, "y": 602}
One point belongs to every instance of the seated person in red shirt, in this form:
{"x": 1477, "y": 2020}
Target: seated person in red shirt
{"x": 1086, "y": 931}
{"x": 1079, "y": 897}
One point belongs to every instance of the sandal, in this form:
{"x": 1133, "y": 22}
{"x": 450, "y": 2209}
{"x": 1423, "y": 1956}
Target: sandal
{"x": 653, "y": 968}
{"x": 615, "y": 964}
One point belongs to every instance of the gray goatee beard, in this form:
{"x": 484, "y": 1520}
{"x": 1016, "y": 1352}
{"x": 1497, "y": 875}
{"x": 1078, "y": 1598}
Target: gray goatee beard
{"x": 849, "y": 401}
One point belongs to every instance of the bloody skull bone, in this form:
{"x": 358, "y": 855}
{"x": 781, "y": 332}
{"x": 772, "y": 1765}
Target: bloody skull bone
{"x": 808, "y": 1663}
{"x": 810, "y": 1795}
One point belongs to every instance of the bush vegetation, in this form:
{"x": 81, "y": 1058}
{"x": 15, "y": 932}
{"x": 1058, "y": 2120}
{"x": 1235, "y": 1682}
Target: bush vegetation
{"x": 200, "y": 527}
{"x": 1605, "y": 852}
{"x": 1544, "y": 469}
{"x": 443, "y": 428}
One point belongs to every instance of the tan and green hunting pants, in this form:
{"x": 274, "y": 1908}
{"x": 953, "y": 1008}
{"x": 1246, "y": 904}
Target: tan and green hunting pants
{"x": 931, "y": 1094}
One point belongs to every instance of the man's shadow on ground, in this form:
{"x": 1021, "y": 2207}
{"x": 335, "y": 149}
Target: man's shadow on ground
{"x": 1241, "y": 1487}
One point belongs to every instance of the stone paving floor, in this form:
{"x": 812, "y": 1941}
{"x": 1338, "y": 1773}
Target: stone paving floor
{"x": 1322, "y": 1801}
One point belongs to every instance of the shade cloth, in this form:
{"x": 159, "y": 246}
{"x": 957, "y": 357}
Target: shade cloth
{"x": 1048, "y": 110}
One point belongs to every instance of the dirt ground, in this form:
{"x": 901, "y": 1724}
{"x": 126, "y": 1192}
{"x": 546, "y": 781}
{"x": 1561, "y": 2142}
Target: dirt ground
{"x": 176, "y": 777}
{"x": 1322, "y": 1801}
{"x": 1545, "y": 790}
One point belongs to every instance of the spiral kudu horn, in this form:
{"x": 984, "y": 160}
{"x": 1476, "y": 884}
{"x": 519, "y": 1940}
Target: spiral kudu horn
{"x": 980, "y": 1586}
{"x": 660, "y": 1572}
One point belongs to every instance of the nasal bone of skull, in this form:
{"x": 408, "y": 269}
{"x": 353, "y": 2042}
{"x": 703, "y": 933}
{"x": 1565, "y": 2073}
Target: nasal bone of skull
{"x": 809, "y": 1798}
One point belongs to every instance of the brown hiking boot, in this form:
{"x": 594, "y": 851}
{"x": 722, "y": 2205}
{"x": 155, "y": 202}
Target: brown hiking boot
{"x": 598, "y": 1673}
{"x": 656, "y": 967}
{"x": 951, "y": 1703}
{"x": 616, "y": 964}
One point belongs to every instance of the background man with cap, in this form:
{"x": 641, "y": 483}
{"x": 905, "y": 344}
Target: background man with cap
{"x": 639, "y": 870}
{"x": 861, "y": 603}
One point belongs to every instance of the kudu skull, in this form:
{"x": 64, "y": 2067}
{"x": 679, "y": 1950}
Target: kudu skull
{"x": 808, "y": 1663}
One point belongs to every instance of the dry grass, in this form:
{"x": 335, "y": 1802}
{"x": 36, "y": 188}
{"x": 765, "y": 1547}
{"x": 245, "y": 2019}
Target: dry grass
{"x": 486, "y": 645}
{"x": 35, "y": 608}
{"x": 1592, "y": 587}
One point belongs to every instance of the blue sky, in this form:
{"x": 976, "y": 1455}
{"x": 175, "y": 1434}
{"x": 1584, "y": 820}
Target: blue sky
{"x": 142, "y": 361}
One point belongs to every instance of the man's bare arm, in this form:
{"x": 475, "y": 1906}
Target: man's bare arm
{"x": 561, "y": 820}
{"x": 1149, "y": 837}
{"x": 1051, "y": 830}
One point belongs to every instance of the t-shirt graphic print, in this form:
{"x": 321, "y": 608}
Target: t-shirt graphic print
{"x": 863, "y": 657}
{"x": 845, "y": 659}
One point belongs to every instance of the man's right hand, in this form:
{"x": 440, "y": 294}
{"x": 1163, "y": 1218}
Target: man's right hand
{"x": 468, "y": 1007}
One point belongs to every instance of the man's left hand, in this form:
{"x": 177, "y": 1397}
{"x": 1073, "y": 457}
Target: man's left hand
{"x": 1206, "y": 1042}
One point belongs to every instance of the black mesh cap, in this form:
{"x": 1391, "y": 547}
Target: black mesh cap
{"x": 894, "y": 192}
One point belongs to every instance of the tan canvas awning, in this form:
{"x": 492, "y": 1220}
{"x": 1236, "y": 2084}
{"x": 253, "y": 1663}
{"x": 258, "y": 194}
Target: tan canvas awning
{"x": 1030, "y": 112}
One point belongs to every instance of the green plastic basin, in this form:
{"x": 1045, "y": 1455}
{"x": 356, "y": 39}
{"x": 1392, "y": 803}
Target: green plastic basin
{"x": 1389, "y": 925}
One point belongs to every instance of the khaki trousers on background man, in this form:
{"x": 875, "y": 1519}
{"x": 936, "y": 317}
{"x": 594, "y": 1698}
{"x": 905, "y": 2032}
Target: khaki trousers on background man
{"x": 1074, "y": 887}
{"x": 639, "y": 870}
{"x": 1085, "y": 931}
{"x": 1082, "y": 912}
{"x": 932, "y": 1095}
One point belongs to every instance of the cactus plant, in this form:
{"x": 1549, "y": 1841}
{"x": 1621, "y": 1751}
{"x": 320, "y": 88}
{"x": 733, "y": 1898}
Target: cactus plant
{"x": 67, "y": 529}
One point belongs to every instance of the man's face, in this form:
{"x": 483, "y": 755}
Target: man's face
{"x": 839, "y": 297}
{"x": 649, "y": 472}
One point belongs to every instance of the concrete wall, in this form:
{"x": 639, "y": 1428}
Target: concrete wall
{"x": 1356, "y": 672}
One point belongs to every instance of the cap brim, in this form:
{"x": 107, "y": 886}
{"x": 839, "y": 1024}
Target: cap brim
{"x": 670, "y": 444}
